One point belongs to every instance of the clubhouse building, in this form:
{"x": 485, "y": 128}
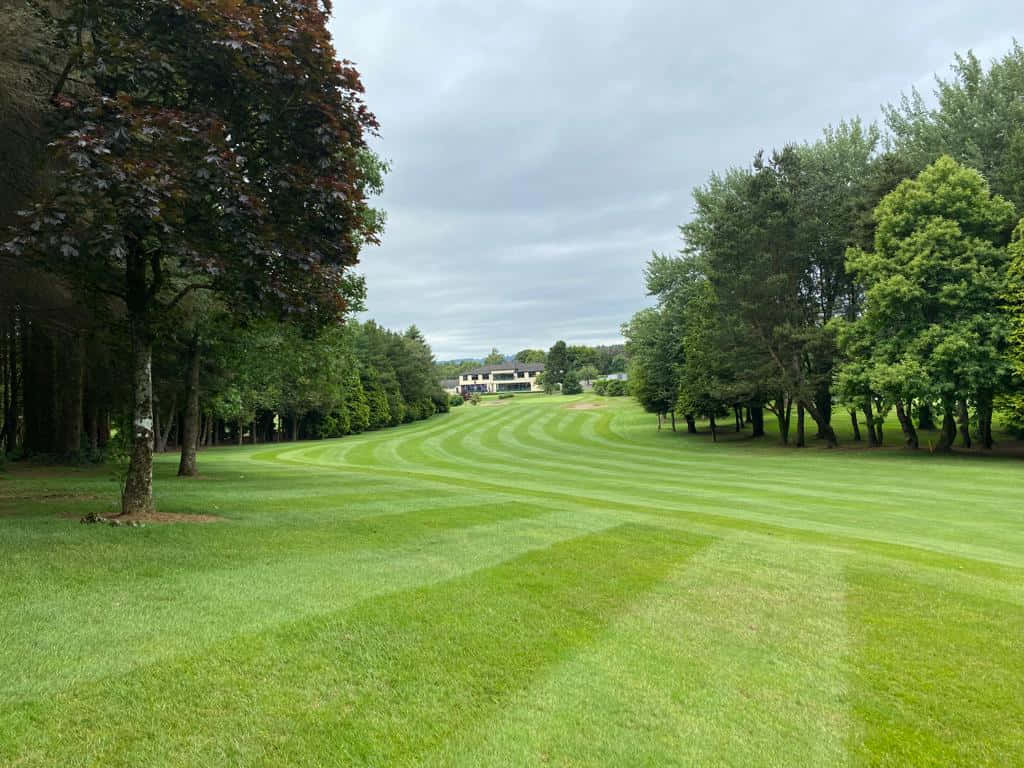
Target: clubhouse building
{"x": 503, "y": 377}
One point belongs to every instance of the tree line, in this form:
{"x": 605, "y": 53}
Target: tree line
{"x": 184, "y": 190}
{"x": 875, "y": 270}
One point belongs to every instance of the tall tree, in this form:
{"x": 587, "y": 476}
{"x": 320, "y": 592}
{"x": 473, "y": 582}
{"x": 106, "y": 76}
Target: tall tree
{"x": 977, "y": 118}
{"x": 557, "y": 364}
{"x": 655, "y": 354}
{"x": 932, "y": 316}
{"x": 204, "y": 147}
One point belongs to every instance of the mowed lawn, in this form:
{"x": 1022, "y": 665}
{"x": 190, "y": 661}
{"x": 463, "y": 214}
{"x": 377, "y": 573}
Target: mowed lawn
{"x": 516, "y": 585}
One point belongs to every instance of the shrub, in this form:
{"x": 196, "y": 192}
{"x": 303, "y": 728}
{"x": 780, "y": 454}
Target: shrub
{"x": 455, "y": 401}
{"x": 616, "y": 388}
{"x": 600, "y": 387}
{"x": 571, "y": 384}
{"x": 475, "y": 398}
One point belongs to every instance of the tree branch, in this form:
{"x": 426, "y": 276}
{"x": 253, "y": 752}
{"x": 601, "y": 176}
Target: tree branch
{"x": 176, "y": 299}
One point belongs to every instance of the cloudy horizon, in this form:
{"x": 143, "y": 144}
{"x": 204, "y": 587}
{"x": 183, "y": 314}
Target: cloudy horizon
{"x": 541, "y": 151}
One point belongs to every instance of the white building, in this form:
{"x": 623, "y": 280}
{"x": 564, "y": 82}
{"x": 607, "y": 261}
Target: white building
{"x": 503, "y": 377}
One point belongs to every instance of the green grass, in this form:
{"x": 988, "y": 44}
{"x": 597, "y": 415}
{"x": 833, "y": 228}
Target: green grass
{"x": 520, "y": 584}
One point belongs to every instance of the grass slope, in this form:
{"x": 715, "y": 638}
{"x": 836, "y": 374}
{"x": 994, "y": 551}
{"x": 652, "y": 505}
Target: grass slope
{"x": 520, "y": 585}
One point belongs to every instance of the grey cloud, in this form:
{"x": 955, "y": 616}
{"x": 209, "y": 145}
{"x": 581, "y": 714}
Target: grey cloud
{"x": 542, "y": 150}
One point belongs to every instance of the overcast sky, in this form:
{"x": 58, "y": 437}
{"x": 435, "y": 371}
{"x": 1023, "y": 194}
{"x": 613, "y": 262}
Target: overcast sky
{"x": 541, "y": 150}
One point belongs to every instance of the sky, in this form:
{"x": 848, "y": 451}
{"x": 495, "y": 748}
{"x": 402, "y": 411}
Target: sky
{"x": 540, "y": 151}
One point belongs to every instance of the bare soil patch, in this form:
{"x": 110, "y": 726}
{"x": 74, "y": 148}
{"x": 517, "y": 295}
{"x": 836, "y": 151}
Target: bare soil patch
{"x": 584, "y": 406}
{"x": 159, "y": 518}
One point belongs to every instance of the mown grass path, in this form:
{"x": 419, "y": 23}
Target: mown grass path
{"x": 520, "y": 585}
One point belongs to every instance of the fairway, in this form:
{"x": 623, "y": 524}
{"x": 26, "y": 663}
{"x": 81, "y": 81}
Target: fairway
{"x": 520, "y": 583}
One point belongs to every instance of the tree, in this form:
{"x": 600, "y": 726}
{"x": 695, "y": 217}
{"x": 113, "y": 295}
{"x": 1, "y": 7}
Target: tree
{"x": 557, "y": 365}
{"x": 655, "y": 353}
{"x": 203, "y": 147}
{"x": 978, "y": 120}
{"x": 571, "y": 384}
{"x": 932, "y": 321}
{"x": 588, "y": 373}
{"x": 494, "y": 357}
{"x": 531, "y": 356}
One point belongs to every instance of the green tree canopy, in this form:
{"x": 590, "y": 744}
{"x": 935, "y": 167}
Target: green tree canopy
{"x": 932, "y": 321}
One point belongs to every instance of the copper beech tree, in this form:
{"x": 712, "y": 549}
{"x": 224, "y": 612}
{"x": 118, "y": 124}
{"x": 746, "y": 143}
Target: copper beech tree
{"x": 202, "y": 145}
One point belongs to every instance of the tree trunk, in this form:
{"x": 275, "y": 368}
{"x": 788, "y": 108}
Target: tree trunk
{"x": 869, "y": 419}
{"x": 947, "y": 433}
{"x": 855, "y": 424}
{"x": 138, "y": 488}
{"x": 757, "y": 420}
{"x": 925, "y": 419}
{"x": 295, "y": 427}
{"x": 659, "y": 422}
{"x": 783, "y": 409}
{"x": 673, "y": 421}
{"x": 241, "y": 429}
{"x": 40, "y": 408}
{"x": 162, "y": 436}
{"x": 907, "y": 424}
{"x": 738, "y": 414}
{"x": 985, "y": 420}
{"x": 964, "y": 417}
{"x": 714, "y": 428}
{"x": 159, "y": 442}
{"x": 879, "y": 422}
{"x": 190, "y": 425}
{"x": 823, "y": 404}
{"x": 71, "y": 416}
{"x": 800, "y": 439}
{"x": 826, "y": 427}
{"x": 10, "y": 437}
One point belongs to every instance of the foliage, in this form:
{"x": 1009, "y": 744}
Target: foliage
{"x": 557, "y": 365}
{"x": 611, "y": 388}
{"x": 932, "y": 324}
{"x": 655, "y": 353}
{"x": 455, "y": 401}
{"x": 571, "y": 384}
{"x": 978, "y": 119}
{"x": 201, "y": 147}
{"x": 531, "y": 356}
{"x": 616, "y": 388}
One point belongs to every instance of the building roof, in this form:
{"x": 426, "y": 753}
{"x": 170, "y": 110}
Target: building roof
{"x": 513, "y": 366}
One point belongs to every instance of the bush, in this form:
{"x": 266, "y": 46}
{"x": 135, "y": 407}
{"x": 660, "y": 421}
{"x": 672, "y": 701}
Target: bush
{"x": 571, "y": 384}
{"x": 616, "y": 388}
{"x": 475, "y": 398}
{"x": 455, "y": 401}
{"x": 440, "y": 401}
{"x": 601, "y": 387}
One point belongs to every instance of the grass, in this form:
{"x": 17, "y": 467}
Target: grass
{"x": 520, "y": 584}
